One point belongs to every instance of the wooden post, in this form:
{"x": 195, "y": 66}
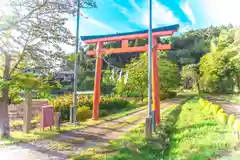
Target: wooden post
{"x": 155, "y": 84}
{"x": 27, "y": 112}
{"x": 98, "y": 71}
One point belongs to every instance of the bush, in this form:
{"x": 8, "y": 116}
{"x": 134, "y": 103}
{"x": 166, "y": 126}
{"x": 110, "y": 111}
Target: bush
{"x": 63, "y": 103}
{"x": 163, "y": 95}
{"x": 220, "y": 111}
{"x": 83, "y": 113}
{"x": 171, "y": 94}
{"x": 145, "y": 100}
{"x": 85, "y": 100}
{"x": 103, "y": 112}
{"x": 231, "y": 120}
{"x": 207, "y": 109}
{"x": 201, "y": 101}
{"x": 215, "y": 109}
{"x": 236, "y": 125}
{"x": 208, "y": 103}
{"x": 222, "y": 117}
{"x": 114, "y": 105}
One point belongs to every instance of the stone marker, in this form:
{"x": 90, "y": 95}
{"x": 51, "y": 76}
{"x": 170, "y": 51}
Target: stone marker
{"x": 57, "y": 120}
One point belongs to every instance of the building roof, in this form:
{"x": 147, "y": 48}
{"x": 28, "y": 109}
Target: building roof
{"x": 166, "y": 28}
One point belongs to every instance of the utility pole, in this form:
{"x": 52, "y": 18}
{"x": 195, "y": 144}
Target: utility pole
{"x": 73, "y": 108}
{"x": 148, "y": 125}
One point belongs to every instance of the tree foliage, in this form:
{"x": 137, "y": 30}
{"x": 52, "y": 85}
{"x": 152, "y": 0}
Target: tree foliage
{"x": 137, "y": 82}
{"x": 33, "y": 34}
{"x": 219, "y": 69}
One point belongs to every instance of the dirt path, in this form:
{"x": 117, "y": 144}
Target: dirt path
{"x": 91, "y": 136}
{"x": 227, "y": 106}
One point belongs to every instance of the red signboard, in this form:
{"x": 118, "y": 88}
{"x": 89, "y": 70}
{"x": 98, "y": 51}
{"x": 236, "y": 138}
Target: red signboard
{"x": 47, "y": 117}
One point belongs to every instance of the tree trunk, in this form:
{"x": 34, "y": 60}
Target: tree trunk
{"x": 27, "y": 112}
{"x": 238, "y": 82}
{"x": 198, "y": 86}
{"x": 197, "y": 81}
{"x": 142, "y": 97}
{"x": 4, "y": 119}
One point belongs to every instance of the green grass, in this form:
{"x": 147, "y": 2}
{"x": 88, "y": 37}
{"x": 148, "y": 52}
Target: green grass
{"x": 134, "y": 146}
{"x": 37, "y": 134}
{"x": 197, "y": 136}
{"x": 235, "y": 99}
{"x": 60, "y": 146}
{"x": 186, "y": 133}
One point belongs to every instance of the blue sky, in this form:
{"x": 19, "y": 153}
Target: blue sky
{"x": 114, "y": 16}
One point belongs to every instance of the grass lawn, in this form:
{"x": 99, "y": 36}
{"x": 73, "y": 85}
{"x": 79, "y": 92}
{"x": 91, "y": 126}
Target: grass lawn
{"x": 134, "y": 146}
{"x": 235, "y": 99}
{"x": 37, "y": 134}
{"x": 197, "y": 136}
{"x": 186, "y": 133}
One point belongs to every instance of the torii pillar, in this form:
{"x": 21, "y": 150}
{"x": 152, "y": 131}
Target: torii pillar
{"x": 97, "y": 84}
{"x": 155, "y": 83}
{"x": 124, "y": 38}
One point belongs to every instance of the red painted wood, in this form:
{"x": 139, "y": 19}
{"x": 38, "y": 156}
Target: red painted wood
{"x": 130, "y": 49}
{"x": 124, "y": 43}
{"x": 130, "y": 37}
{"x": 98, "y": 71}
{"x": 155, "y": 85}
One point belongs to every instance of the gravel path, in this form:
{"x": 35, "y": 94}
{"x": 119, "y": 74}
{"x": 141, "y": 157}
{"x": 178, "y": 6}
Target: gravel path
{"x": 93, "y": 135}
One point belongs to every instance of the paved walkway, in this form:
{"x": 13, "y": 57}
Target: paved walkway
{"x": 93, "y": 135}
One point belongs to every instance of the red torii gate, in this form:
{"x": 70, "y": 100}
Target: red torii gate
{"x": 124, "y": 38}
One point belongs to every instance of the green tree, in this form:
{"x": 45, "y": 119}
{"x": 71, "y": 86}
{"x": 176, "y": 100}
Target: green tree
{"x": 34, "y": 34}
{"x": 219, "y": 69}
{"x": 190, "y": 73}
{"x": 137, "y": 82}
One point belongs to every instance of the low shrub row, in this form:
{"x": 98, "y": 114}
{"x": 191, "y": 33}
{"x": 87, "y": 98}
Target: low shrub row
{"x": 108, "y": 105}
{"x": 163, "y": 95}
{"x": 219, "y": 114}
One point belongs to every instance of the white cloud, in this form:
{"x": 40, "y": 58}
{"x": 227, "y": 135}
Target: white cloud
{"x": 135, "y": 5}
{"x": 122, "y": 9}
{"x": 161, "y": 16}
{"x": 100, "y": 24}
{"x": 88, "y": 25}
{"x": 188, "y": 11}
{"x": 218, "y": 12}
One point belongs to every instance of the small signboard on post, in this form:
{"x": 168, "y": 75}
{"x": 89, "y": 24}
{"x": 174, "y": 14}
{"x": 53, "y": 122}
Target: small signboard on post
{"x": 47, "y": 117}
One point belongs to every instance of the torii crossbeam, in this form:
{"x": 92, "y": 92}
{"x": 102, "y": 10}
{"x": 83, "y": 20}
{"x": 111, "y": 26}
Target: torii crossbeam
{"x": 124, "y": 38}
